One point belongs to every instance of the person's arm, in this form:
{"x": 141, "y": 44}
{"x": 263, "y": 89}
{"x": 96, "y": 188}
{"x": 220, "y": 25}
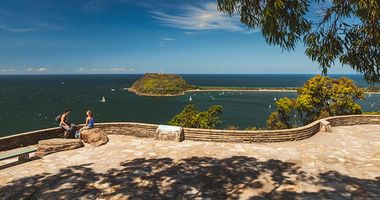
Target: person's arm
{"x": 63, "y": 117}
{"x": 87, "y": 120}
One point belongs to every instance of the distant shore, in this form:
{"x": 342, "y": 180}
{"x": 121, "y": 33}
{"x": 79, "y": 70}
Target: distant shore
{"x": 241, "y": 90}
{"x": 228, "y": 89}
{"x": 152, "y": 95}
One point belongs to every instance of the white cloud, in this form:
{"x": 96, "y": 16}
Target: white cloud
{"x": 168, "y": 39}
{"x": 37, "y": 70}
{"x": 105, "y": 70}
{"x": 16, "y": 30}
{"x": 30, "y": 70}
{"x": 42, "y": 69}
{"x": 120, "y": 69}
{"x": 163, "y": 41}
{"x": 199, "y": 18}
{"x": 20, "y": 22}
{"x": 7, "y": 70}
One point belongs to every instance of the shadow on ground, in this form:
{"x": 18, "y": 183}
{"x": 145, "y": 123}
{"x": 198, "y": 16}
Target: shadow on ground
{"x": 205, "y": 177}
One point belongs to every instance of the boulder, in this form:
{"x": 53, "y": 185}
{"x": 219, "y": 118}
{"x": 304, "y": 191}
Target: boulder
{"x": 94, "y": 136}
{"x": 54, "y": 145}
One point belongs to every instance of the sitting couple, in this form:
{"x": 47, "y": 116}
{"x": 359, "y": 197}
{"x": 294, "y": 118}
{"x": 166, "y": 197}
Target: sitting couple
{"x": 69, "y": 127}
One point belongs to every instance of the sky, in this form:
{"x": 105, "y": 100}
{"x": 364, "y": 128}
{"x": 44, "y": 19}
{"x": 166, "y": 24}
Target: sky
{"x": 127, "y": 36}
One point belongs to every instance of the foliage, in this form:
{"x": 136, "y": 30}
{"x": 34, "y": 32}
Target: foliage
{"x": 160, "y": 84}
{"x": 232, "y": 128}
{"x": 345, "y": 30}
{"x": 373, "y": 88}
{"x": 320, "y": 97}
{"x": 255, "y": 128}
{"x": 192, "y": 118}
{"x": 372, "y": 113}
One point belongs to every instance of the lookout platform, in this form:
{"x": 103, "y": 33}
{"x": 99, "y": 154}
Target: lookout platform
{"x": 342, "y": 164}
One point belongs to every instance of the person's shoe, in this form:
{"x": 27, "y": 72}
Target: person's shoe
{"x": 77, "y": 134}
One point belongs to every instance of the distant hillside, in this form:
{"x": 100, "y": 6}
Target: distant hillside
{"x": 160, "y": 85}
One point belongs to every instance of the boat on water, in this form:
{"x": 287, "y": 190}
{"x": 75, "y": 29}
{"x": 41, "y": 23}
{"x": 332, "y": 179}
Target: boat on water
{"x": 103, "y": 100}
{"x": 274, "y": 99}
{"x": 190, "y": 99}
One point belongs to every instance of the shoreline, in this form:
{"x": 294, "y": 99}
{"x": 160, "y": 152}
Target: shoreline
{"x": 288, "y": 90}
{"x": 241, "y": 90}
{"x": 152, "y": 95}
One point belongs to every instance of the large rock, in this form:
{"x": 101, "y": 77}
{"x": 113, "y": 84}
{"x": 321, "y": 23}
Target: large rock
{"x": 94, "y": 136}
{"x": 49, "y": 146}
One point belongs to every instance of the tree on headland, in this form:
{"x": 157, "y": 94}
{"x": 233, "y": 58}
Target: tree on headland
{"x": 160, "y": 85}
{"x": 344, "y": 30}
{"x": 320, "y": 97}
{"x": 192, "y": 118}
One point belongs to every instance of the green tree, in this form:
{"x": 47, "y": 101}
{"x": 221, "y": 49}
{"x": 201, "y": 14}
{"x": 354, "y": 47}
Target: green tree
{"x": 320, "y": 97}
{"x": 372, "y": 113}
{"x": 192, "y": 118}
{"x": 344, "y": 30}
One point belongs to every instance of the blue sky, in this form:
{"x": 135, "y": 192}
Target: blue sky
{"x": 126, "y": 36}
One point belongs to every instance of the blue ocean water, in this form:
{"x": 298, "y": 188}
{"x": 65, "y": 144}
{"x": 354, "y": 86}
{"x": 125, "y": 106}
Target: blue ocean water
{"x": 29, "y": 102}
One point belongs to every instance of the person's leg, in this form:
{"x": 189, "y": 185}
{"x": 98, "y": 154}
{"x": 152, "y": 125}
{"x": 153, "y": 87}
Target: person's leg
{"x": 84, "y": 128}
{"x": 67, "y": 130}
{"x": 64, "y": 127}
{"x": 77, "y": 134}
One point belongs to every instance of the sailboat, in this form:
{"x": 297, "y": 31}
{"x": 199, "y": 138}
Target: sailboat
{"x": 190, "y": 99}
{"x": 270, "y": 106}
{"x": 274, "y": 99}
{"x": 103, "y": 100}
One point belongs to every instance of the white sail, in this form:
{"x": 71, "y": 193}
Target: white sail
{"x": 190, "y": 99}
{"x": 103, "y": 100}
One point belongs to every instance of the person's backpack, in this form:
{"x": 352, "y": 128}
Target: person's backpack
{"x": 58, "y": 118}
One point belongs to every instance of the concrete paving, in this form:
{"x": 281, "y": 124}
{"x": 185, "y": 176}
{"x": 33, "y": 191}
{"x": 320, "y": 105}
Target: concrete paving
{"x": 344, "y": 164}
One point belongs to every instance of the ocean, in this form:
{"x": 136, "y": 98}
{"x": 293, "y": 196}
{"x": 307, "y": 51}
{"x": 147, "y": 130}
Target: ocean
{"x": 31, "y": 102}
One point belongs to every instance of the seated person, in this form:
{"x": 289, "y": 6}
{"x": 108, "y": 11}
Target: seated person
{"x": 65, "y": 124}
{"x": 88, "y": 124}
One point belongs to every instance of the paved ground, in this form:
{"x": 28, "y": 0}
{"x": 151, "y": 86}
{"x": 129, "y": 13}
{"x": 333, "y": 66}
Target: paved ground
{"x": 344, "y": 164}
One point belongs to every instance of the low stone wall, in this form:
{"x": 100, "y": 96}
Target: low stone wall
{"x": 148, "y": 130}
{"x": 215, "y": 135}
{"x": 29, "y": 138}
{"x": 299, "y": 133}
{"x": 127, "y": 128}
{"x": 349, "y": 120}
